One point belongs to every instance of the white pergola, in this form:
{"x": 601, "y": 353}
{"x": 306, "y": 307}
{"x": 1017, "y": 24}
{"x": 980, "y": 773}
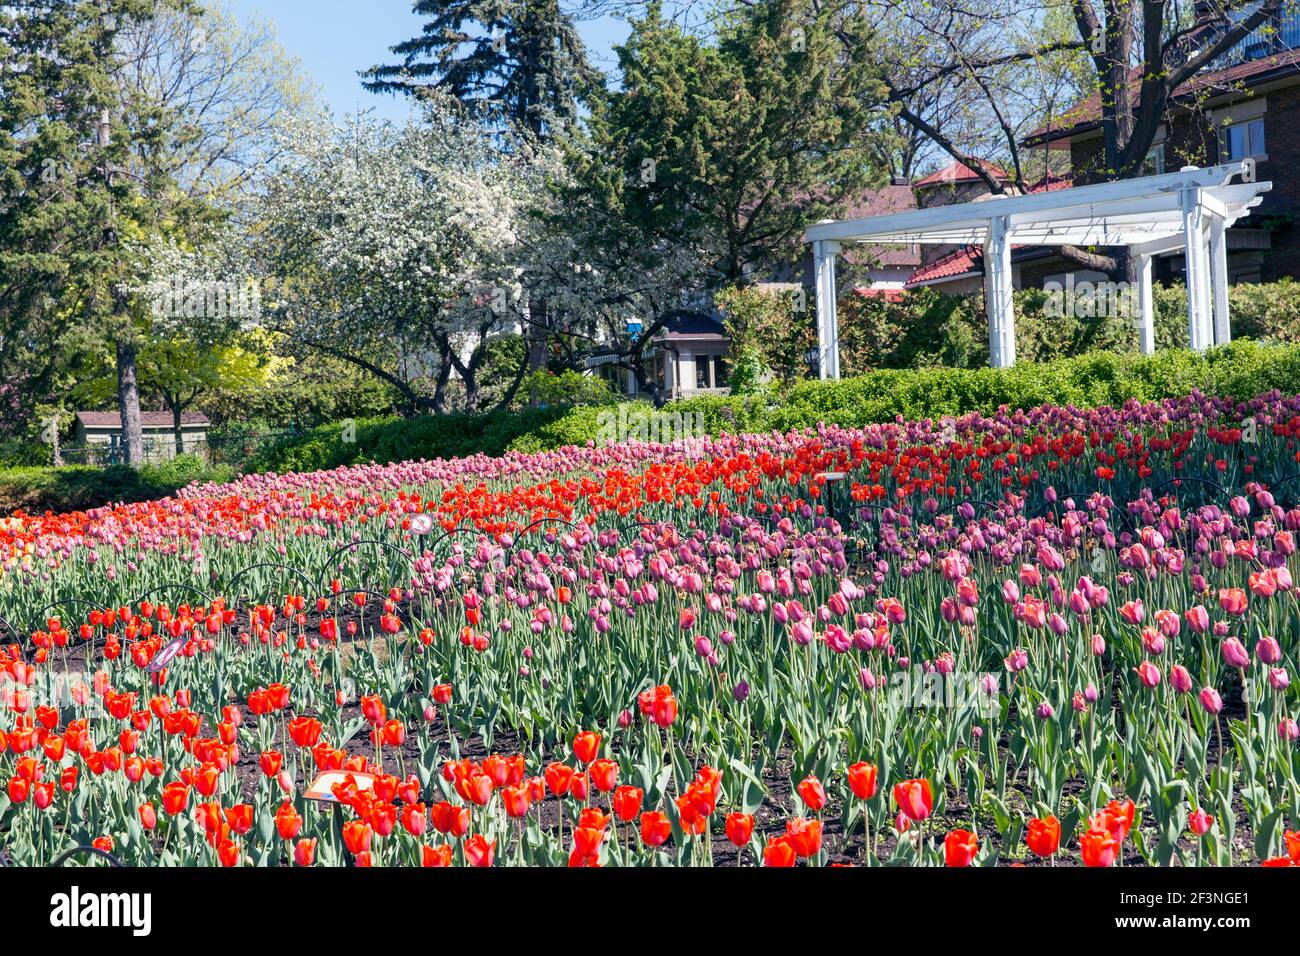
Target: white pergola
{"x": 1188, "y": 210}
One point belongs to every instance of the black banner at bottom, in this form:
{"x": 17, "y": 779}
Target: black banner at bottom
{"x": 392, "y": 904}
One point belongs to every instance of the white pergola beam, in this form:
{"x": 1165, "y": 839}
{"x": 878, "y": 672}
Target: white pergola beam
{"x": 850, "y": 230}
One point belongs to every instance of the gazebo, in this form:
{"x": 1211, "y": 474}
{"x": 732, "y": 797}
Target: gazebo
{"x": 1188, "y": 210}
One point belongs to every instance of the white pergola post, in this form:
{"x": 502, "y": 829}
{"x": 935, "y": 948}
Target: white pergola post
{"x": 1219, "y": 280}
{"x": 828, "y": 333}
{"x": 998, "y": 300}
{"x": 1198, "y": 269}
{"x": 1145, "y": 305}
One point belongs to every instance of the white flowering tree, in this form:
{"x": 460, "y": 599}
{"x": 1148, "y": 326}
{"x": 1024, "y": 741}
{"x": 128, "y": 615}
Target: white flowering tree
{"x": 396, "y": 248}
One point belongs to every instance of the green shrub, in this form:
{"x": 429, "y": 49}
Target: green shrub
{"x": 78, "y": 487}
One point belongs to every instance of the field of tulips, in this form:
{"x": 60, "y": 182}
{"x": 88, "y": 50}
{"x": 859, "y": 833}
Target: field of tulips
{"x": 1052, "y": 637}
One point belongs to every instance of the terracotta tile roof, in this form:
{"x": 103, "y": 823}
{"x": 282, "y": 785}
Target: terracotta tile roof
{"x": 147, "y": 419}
{"x": 956, "y": 172}
{"x": 1086, "y": 115}
{"x": 961, "y": 261}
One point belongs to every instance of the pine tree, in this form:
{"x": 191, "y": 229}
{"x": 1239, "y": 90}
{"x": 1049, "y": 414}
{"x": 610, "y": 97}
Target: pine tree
{"x": 516, "y": 61}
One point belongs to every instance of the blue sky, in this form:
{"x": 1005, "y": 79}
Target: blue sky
{"x": 336, "y": 38}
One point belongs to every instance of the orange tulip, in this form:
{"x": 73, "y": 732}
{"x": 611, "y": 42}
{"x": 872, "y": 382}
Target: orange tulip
{"x": 436, "y": 856}
{"x": 779, "y": 852}
{"x": 240, "y": 818}
{"x": 176, "y": 797}
{"x": 586, "y": 745}
{"x": 357, "y": 834}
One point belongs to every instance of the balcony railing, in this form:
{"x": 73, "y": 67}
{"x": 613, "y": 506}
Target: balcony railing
{"x": 1278, "y": 35}
{"x": 693, "y": 392}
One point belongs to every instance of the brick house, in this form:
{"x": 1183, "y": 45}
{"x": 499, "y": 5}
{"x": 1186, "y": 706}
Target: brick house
{"x": 1248, "y": 106}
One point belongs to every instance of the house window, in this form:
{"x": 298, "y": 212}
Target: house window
{"x": 1154, "y": 163}
{"x": 702, "y": 371}
{"x": 1243, "y": 140}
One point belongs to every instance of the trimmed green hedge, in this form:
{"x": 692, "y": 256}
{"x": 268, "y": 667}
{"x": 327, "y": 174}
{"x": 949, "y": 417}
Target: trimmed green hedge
{"x": 1241, "y": 370}
{"x": 36, "y": 489}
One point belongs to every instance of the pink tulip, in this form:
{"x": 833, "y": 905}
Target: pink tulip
{"x": 1234, "y": 653}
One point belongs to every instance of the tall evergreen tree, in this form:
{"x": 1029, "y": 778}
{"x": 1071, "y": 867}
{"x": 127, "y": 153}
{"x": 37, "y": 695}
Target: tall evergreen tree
{"x": 516, "y": 61}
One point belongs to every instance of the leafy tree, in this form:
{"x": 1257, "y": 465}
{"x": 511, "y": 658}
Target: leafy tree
{"x": 738, "y": 145}
{"x": 514, "y": 64}
{"x": 392, "y": 247}
{"x": 769, "y": 330}
{"x": 1132, "y": 54}
{"x": 63, "y": 202}
{"x": 181, "y": 371}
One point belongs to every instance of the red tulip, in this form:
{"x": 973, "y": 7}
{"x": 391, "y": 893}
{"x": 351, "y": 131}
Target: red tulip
{"x": 960, "y": 848}
{"x": 603, "y": 774}
{"x": 740, "y": 828}
{"x": 655, "y": 828}
{"x": 1098, "y": 848}
{"x": 479, "y": 851}
{"x": 862, "y": 780}
{"x": 288, "y": 822}
{"x": 812, "y": 793}
{"x": 627, "y": 802}
{"x": 1044, "y": 835}
{"x": 914, "y": 798}
{"x": 304, "y": 852}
